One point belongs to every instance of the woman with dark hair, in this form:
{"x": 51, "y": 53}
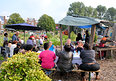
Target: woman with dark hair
{"x": 17, "y": 49}
{"x": 47, "y": 58}
{"x": 29, "y": 41}
{"x": 5, "y": 37}
{"x": 64, "y": 63}
{"x": 79, "y": 37}
{"x": 88, "y": 61}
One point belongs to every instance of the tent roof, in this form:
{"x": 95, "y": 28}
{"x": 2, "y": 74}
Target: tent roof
{"x": 78, "y": 21}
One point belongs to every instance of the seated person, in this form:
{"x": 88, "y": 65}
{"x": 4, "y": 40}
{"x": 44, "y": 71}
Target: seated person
{"x": 52, "y": 47}
{"x": 16, "y": 50}
{"x": 28, "y": 47}
{"x": 105, "y": 39}
{"x": 47, "y": 58}
{"x": 14, "y": 45}
{"x": 68, "y": 42}
{"x": 64, "y": 63}
{"x": 88, "y": 61}
{"x": 38, "y": 50}
{"x": 80, "y": 46}
{"x": 102, "y": 43}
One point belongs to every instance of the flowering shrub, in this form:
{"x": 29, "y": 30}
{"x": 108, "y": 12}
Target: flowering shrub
{"x": 22, "y": 67}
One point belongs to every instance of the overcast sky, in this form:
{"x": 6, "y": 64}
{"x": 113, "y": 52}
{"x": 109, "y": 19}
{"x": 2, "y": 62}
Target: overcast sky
{"x": 55, "y": 8}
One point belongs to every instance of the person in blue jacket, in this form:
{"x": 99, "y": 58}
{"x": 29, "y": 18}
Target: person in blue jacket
{"x": 52, "y": 47}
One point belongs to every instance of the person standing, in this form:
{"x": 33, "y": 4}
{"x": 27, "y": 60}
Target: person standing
{"x": 87, "y": 37}
{"x": 5, "y": 37}
{"x": 79, "y": 37}
{"x": 15, "y": 37}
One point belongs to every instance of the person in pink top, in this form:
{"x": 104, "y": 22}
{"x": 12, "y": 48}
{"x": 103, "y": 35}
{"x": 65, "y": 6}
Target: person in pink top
{"x": 47, "y": 57}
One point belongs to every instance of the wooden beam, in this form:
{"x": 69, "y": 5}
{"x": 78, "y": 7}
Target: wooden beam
{"x": 91, "y": 41}
{"x": 68, "y": 31}
{"x": 61, "y": 44}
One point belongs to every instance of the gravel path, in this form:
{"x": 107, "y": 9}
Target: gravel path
{"x": 107, "y": 67}
{"x": 108, "y": 72}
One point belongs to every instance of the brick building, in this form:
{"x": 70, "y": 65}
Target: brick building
{"x": 32, "y": 21}
{"x": 3, "y": 21}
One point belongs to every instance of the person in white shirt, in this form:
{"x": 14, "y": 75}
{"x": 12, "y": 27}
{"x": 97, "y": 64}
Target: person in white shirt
{"x": 41, "y": 41}
{"x": 14, "y": 45}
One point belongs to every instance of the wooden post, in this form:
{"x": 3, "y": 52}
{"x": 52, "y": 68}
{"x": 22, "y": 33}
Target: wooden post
{"x": 114, "y": 33}
{"x": 68, "y": 31}
{"x": 61, "y": 38}
{"x": 91, "y": 41}
{"x": 24, "y": 36}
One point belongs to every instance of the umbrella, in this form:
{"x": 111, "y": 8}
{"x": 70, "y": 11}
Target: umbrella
{"x": 23, "y": 26}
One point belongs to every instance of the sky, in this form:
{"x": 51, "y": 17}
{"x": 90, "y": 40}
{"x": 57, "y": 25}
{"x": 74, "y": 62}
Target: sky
{"x": 57, "y": 9}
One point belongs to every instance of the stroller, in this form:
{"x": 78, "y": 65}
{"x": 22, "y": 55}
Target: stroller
{"x": 5, "y": 51}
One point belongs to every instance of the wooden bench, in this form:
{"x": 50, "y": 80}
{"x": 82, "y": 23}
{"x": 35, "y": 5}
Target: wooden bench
{"x": 75, "y": 70}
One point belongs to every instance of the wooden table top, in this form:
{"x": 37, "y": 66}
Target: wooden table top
{"x": 105, "y": 48}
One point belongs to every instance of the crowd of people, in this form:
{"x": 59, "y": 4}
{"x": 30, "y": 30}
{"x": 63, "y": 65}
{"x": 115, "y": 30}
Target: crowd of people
{"x": 16, "y": 45}
{"x": 48, "y": 56}
{"x": 65, "y": 57}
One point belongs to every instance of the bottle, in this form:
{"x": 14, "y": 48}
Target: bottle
{"x": 92, "y": 75}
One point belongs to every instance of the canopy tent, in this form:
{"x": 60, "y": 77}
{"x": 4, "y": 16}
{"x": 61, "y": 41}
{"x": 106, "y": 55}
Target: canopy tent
{"x": 23, "y": 26}
{"x": 78, "y": 21}
{"x": 81, "y": 22}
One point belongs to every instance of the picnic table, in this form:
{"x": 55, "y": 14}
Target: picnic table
{"x": 100, "y": 49}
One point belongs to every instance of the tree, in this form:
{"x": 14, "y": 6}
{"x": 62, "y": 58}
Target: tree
{"x": 76, "y": 8}
{"x": 46, "y": 22}
{"x": 15, "y": 18}
{"x": 89, "y": 11}
{"x": 101, "y": 10}
{"x": 111, "y": 14}
{"x": 94, "y": 13}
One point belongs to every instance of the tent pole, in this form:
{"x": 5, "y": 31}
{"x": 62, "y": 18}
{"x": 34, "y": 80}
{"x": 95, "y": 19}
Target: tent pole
{"x": 91, "y": 41}
{"x": 61, "y": 37}
{"x": 68, "y": 31}
{"x": 24, "y": 36}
